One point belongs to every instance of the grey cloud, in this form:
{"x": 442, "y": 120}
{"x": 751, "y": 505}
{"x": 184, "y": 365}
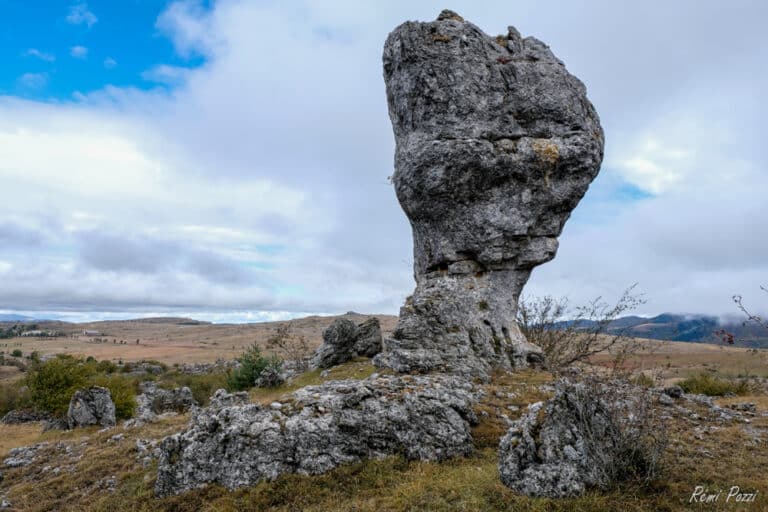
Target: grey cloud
{"x": 14, "y": 236}
{"x": 106, "y": 252}
{"x": 310, "y": 113}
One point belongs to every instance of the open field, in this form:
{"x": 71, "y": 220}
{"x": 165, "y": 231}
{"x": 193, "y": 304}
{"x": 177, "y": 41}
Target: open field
{"x": 88, "y": 470}
{"x": 172, "y": 341}
{"x": 74, "y": 471}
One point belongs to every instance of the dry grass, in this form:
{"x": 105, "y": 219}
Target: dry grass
{"x": 173, "y": 342}
{"x": 717, "y": 459}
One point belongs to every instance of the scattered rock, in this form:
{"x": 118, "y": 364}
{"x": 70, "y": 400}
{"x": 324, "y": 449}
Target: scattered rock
{"x": 154, "y": 400}
{"x": 665, "y": 399}
{"x": 496, "y": 143}
{"x": 338, "y": 344}
{"x": 92, "y": 406}
{"x": 744, "y": 407}
{"x": 576, "y": 440}
{"x": 17, "y": 417}
{"x": 270, "y": 377}
{"x": 221, "y": 399}
{"x": 368, "y": 338}
{"x": 23, "y": 456}
{"x": 338, "y": 422}
{"x": 343, "y": 340}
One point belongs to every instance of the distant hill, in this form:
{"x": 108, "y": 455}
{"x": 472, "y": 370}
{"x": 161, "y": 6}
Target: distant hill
{"x": 5, "y": 317}
{"x": 690, "y": 328}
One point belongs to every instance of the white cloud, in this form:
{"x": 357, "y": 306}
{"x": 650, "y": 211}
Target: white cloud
{"x": 163, "y": 73}
{"x": 191, "y": 27}
{"x": 33, "y": 80}
{"x": 78, "y": 52}
{"x": 110, "y": 63}
{"x": 272, "y": 157}
{"x": 34, "y": 52}
{"x": 79, "y": 14}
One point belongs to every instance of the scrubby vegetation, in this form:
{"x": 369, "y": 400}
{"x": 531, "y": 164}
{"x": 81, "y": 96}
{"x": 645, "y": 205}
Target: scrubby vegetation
{"x": 252, "y": 364}
{"x": 568, "y": 335}
{"x": 708, "y": 384}
{"x": 51, "y": 385}
{"x": 202, "y": 385}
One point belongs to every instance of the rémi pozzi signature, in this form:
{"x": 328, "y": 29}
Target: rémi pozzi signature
{"x": 735, "y": 494}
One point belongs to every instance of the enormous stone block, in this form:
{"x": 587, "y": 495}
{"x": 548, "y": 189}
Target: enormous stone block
{"x": 496, "y": 145}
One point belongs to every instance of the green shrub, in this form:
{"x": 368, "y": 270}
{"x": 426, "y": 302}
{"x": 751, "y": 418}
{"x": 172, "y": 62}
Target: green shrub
{"x": 105, "y": 366}
{"x": 52, "y": 384}
{"x": 123, "y": 391}
{"x": 16, "y": 353}
{"x": 706, "y": 384}
{"x": 252, "y": 364}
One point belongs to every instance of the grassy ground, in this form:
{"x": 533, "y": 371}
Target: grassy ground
{"x": 717, "y": 459}
{"x": 172, "y": 340}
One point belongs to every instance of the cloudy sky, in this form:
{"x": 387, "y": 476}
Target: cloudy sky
{"x": 229, "y": 159}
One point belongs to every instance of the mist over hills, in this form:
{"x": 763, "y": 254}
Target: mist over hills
{"x": 690, "y": 328}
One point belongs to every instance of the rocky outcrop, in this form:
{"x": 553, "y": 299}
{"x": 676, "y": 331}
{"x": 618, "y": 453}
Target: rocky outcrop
{"x": 368, "y": 338}
{"x": 19, "y": 416}
{"x": 496, "y": 143}
{"x": 318, "y": 428}
{"x": 92, "y": 406}
{"x": 154, "y": 400}
{"x": 343, "y": 340}
{"x": 587, "y": 435}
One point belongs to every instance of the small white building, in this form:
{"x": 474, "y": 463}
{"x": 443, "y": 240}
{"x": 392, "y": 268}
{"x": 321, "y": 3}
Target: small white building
{"x": 91, "y": 333}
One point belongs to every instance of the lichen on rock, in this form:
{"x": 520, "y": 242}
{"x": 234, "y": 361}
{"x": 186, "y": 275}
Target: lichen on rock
{"x": 496, "y": 143}
{"x": 318, "y": 428}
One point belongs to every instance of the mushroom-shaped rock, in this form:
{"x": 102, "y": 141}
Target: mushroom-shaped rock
{"x": 496, "y": 143}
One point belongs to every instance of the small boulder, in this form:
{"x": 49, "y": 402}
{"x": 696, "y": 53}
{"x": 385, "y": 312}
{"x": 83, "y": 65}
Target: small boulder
{"x": 92, "y": 406}
{"x": 368, "y": 339}
{"x": 338, "y": 344}
{"x": 270, "y": 377}
{"x": 579, "y": 439}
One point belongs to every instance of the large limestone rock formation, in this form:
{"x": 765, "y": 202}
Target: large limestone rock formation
{"x": 496, "y": 145}
{"x": 318, "y": 428}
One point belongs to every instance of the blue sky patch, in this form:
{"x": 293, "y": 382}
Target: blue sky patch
{"x": 52, "y": 50}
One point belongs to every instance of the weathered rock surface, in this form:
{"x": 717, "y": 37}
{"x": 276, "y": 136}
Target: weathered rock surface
{"x": 270, "y": 377}
{"x": 496, "y": 143}
{"x": 24, "y": 455}
{"x": 343, "y": 340}
{"x": 368, "y": 339}
{"x": 19, "y": 416}
{"x": 578, "y": 439}
{"x": 92, "y": 406}
{"x": 318, "y": 428}
{"x": 154, "y": 400}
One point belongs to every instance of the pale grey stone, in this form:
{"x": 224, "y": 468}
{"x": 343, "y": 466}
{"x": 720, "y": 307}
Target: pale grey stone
{"x": 338, "y": 422}
{"x": 496, "y": 143}
{"x": 91, "y": 406}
